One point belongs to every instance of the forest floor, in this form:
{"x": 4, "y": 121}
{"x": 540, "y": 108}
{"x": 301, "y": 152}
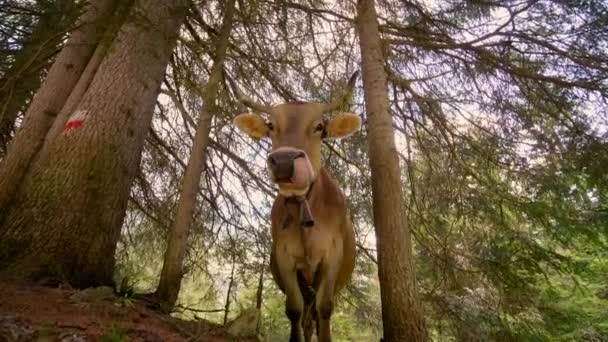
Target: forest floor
{"x": 31, "y": 312}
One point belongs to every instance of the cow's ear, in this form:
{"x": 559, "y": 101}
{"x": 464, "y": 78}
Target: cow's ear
{"x": 252, "y": 125}
{"x": 342, "y": 125}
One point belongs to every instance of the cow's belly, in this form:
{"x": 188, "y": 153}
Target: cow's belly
{"x": 305, "y": 250}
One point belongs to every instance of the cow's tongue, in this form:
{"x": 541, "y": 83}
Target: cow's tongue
{"x": 301, "y": 174}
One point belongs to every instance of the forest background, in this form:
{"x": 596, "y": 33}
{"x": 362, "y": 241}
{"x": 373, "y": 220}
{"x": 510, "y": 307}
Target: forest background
{"x": 499, "y": 111}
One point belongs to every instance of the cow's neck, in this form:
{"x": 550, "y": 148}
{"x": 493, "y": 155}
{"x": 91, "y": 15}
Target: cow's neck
{"x": 319, "y": 186}
{"x": 316, "y": 194}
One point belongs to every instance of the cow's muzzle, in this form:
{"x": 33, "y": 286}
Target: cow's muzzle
{"x": 281, "y": 164}
{"x": 290, "y": 167}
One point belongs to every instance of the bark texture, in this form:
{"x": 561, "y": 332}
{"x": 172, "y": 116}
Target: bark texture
{"x": 172, "y": 272}
{"x": 121, "y": 12}
{"x": 66, "y": 217}
{"x": 401, "y": 311}
{"x": 51, "y": 97}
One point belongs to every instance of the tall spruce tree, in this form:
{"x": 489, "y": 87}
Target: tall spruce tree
{"x": 66, "y": 218}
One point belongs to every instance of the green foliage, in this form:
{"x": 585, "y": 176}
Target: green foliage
{"x": 493, "y": 233}
{"x": 47, "y": 329}
{"x": 572, "y": 305}
{"x": 114, "y": 333}
{"x": 139, "y": 264}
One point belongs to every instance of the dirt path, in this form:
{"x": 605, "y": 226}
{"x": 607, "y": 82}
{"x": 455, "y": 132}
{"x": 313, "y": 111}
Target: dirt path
{"x": 30, "y": 312}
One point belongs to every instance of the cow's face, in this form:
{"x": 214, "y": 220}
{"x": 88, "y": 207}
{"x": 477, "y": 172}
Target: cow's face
{"x": 296, "y": 131}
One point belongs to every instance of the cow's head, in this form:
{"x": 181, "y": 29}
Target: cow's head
{"x": 296, "y": 131}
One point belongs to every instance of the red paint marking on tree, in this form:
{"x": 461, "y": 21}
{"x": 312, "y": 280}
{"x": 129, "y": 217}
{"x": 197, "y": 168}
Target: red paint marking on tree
{"x": 75, "y": 120}
{"x": 72, "y": 125}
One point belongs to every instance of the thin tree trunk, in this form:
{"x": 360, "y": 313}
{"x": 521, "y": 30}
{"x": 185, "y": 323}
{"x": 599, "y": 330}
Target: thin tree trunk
{"x": 402, "y": 316}
{"x": 66, "y": 218}
{"x": 172, "y": 272}
{"x": 259, "y": 296}
{"x": 229, "y": 292}
{"x": 260, "y": 291}
{"x": 50, "y": 98}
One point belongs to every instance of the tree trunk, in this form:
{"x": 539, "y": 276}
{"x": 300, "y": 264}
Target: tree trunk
{"x": 229, "y": 292}
{"x": 172, "y": 272}
{"x": 24, "y": 76}
{"x": 401, "y": 310}
{"x": 50, "y": 98}
{"x": 121, "y": 13}
{"x": 66, "y": 217}
{"x": 259, "y": 295}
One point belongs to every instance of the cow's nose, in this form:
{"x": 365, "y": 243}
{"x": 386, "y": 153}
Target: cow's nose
{"x": 281, "y": 164}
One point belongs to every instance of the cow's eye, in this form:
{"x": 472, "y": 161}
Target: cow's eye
{"x": 319, "y": 127}
{"x": 270, "y": 125}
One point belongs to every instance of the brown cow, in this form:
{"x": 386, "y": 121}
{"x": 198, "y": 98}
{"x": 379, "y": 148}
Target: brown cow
{"x": 313, "y": 242}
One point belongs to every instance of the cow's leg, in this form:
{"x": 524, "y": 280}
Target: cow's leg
{"x": 325, "y": 304}
{"x": 294, "y": 305}
{"x": 308, "y": 321}
{"x": 310, "y": 307}
{"x": 294, "y": 309}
